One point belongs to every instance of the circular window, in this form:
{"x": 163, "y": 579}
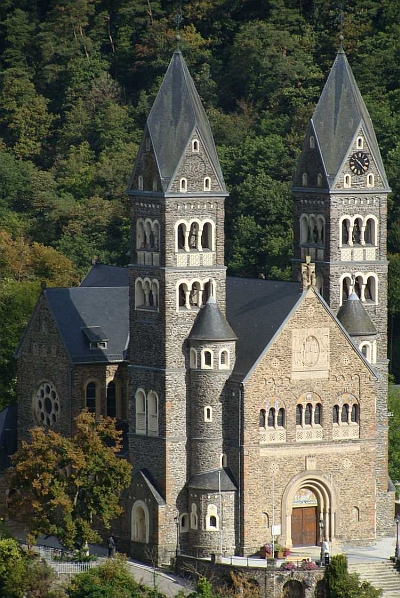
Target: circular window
{"x": 46, "y": 404}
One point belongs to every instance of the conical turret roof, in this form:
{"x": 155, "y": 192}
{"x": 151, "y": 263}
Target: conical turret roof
{"x": 211, "y": 324}
{"x": 176, "y": 113}
{"x": 354, "y": 318}
{"x": 337, "y": 118}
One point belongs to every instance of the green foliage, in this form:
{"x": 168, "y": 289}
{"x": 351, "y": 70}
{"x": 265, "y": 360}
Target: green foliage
{"x": 64, "y": 485}
{"x": 394, "y": 433}
{"x": 113, "y": 579}
{"x": 342, "y": 584}
{"x": 12, "y": 569}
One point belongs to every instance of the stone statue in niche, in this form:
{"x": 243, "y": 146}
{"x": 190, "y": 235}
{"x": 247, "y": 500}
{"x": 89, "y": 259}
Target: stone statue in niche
{"x": 308, "y": 275}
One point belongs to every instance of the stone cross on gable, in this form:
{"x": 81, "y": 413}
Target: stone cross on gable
{"x": 308, "y": 277}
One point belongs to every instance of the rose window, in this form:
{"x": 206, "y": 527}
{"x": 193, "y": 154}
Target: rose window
{"x": 47, "y": 404}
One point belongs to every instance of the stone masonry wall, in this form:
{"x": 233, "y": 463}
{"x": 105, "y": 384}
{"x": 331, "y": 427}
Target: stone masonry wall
{"x": 345, "y": 468}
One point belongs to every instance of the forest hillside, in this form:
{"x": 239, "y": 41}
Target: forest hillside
{"x": 77, "y": 80}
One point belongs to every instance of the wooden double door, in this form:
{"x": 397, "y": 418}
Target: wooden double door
{"x": 304, "y": 526}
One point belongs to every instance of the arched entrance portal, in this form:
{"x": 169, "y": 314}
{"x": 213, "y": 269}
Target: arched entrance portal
{"x": 309, "y": 498}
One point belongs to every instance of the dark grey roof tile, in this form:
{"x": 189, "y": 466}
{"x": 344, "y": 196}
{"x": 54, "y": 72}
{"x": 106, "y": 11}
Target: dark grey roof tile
{"x": 354, "y": 318}
{"x": 211, "y": 324}
{"x": 216, "y": 480}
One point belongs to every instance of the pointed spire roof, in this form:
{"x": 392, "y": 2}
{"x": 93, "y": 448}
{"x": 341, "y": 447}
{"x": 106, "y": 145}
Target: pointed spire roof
{"x": 354, "y": 318}
{"x": 176, "y": 113}
{"x": 211, "y": 324}
{"x": 338, "y": 116}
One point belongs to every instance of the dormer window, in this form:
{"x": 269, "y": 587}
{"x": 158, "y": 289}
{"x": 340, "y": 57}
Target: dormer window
{"x": 183, "y": 186}
{"x": 360, "y": 143}
{"x": 195, "y": 145}
{"x": 96, "y": 337}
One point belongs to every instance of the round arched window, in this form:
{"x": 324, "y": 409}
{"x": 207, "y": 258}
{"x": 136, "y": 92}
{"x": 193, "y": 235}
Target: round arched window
{"x": 46, "y": 404}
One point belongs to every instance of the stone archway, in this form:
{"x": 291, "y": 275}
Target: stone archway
{"x": 293, "y": 589}
{"x": 325, "y": 507}
{"x": 140, "y": 522}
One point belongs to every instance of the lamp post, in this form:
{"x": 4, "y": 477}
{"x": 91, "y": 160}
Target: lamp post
{"x": 178, "y": 547}
{"x": 321, "y": 539}
{"x": 397, "y": 549}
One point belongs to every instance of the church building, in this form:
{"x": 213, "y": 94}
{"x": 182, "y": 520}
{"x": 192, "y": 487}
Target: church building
{"x": 252, "y": 408}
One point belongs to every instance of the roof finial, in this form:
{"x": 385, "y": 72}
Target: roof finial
{"x": 178, "y": 20}
{"x": 341, "y": 21}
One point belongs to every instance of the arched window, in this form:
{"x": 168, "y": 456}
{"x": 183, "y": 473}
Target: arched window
{"x": 155, "y": 184}
{"x": 312, "y": 142}
{"x": 206, "y": 236}
{"x": 91, "y": 397}
{"x": 281, "y": 418}
{"x": 152, "y": 402}
{"x": 299, "y": 412}
{"x": 346, "y": 287}
{"x": 140, "y": 408}
{"x": 193, "y": 516}
{"x": 345, "y": 231}
{"x": 360, "y": 143}
{"x": 356, "y": 515}
{"x": 183, "y": 185}
{"x": 111, "y": 399}
{"x": 319, "y": 180}
{"x": 317, "y": 413}
{"x": 182, "y": 295}
{"x": 357, "y": 226}
{"x": 140, "y": 182}
{"x": 184, "y": 523}
{"x": 181, "y": 236}
{"x": 208, "y": 414}
{"x": 156, "y": 233}
{"x": 370, "y": 180}
{"x": 139, "y": 293}
{"x": 271, "y": 418}
{"x": 140, "y": 522}
{"x": 193, "y": 235}
{"x": 304, "y": 179}
{"x": 358, "y": 286}
{"x": 207, "y": 183}
{"x": 208, "y": 287}
{"x": 140, "y": 236}
{"x": 213, "y": 521}
{"x": 370, "y": 232}
{"x": 224, "y": 359}
{"x": 193, "y": 358}
{"x": 344, "y": 418}
{"x": 308, "y": 415}
{"x": 335, "y": 414}
{"x": 370, "y": 290}
{"x": 195, "y": 145}
{"x": 354, "y": 413}
{"x": 321, "y": 230}
{"x": 147, "y": 232}
{"x": 347, "y": 181}
{"x": 303, "y": 229}
{"x": 261, "y": 418}
{"x": 195, "y": 295}
{"x": 224, "y": 460}
{"x": 207, "y": 359}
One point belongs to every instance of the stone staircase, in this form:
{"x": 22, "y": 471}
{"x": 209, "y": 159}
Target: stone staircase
{"x": 381, "y": 574}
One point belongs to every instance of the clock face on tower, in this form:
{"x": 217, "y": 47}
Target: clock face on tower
{"x": 359, "y": 163}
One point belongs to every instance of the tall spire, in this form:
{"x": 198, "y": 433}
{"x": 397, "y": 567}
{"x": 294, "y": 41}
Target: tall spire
{"x": 338, "y": 118}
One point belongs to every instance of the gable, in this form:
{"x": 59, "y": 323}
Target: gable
{"x": 310, "y": 345}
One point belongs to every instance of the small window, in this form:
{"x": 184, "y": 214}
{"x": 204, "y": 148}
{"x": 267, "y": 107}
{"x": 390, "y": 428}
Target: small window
{"x": 335, "y": 414}
{"x": 193, "y": 516}
{"x": 354, "y": 413}
{"x": 224, "y": 360}
{"x": 111, "y": 399}
{"x": 91, "y": 397}
{"x": 319, "y": 180}
{"x": 281, "y": 418}
{"x": 370, "y": 180}
{"x": 207, "y": 184}
{"x": 155, "y": 185}
{"x": 308, "y": 415}
{"x": 360, "y": 143}
{"x": 213, "y": 521}
{"x": 207, "y": 356}
{"x": 208, "y": 414}
{"x": 140, "y": 182}
{"x": 261, "y": 418}
{"x": 299, "y": 411}
{"x": 347, "y": 181}
{"x": 193, "y": 358}
{"x": 317, "y": 414}
{"x": 312, "y": 142}
{"x": 304, "y": 179}
{"x": 345, "y": 414}
{"x": 271, "y": 418}
{"x": 224, "y": 460}
{"x": 195, "y": 145}
{"x": 183, "y": 186}
{"x": 184, "y": 523}
{"x": 147, "y": 144}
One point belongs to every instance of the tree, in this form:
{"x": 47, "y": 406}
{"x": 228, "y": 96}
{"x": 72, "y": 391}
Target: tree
{"x": 394, "y": 433}
{"x": 342, "y": 584}
{"x": 64, "y": 486}
{"x": 12, "y": 569}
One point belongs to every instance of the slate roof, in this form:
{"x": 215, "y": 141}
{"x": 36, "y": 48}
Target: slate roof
{"x": 176, "y": 113}
{"x": 215, "y": 480}
{"x": 101, "y": 275}
{"x": 84, "y": 307}
{"x": 338, "y": 115}
{"x": 354, "y": 317}
{"x": 211, "y": 324}
{"x": 256, "y": 309}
